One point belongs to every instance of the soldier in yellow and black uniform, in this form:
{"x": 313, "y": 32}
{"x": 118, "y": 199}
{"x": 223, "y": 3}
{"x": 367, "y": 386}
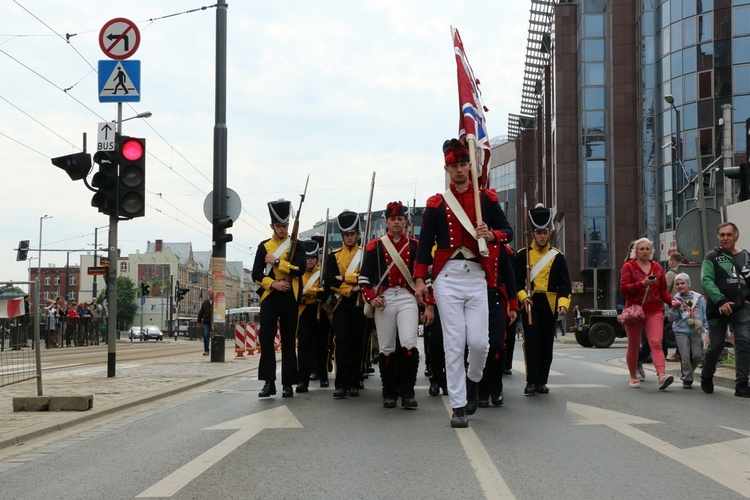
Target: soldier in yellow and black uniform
{"x": 549, "y": 296}
{"x": 279, "y": 277}
{"x": 341, "y": 274}
{"x": 311, "y": 328}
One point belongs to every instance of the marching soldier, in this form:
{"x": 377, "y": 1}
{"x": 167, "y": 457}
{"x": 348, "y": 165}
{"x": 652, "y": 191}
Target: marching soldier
{"x": 309, "y": 329}
{"x": 388, "y": 287}
{"x": 279, "y": 276}
{"x": 459, "y": 274}
{"x": 501, "y": 292}
{"x": 548, "y": 296}
{"x": 348, "y": 319}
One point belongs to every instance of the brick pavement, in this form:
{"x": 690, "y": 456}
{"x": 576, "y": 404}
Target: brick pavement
{"x": 136, "y": 382}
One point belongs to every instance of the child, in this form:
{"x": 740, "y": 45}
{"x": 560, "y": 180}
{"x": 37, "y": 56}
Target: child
{"x": 688, "y": 317}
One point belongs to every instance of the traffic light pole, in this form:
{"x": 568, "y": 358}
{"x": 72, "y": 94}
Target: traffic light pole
{"x": 112, "y": 280}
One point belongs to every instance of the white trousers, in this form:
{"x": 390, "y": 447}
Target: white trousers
{"x": 461, "y": 297}
{"x": 401, "y": 316}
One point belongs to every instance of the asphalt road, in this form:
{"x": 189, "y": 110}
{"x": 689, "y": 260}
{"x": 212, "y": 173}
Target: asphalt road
{"x": 591, "y": 437}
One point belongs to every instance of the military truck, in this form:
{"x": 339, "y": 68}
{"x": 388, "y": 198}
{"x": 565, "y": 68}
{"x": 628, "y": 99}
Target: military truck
{"x": 599, "y": 328}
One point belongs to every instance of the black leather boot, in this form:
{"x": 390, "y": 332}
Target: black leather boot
{"x": 409, "y": 368}
{"x": 472, "y": 396}
{"x": 269, "y": 389}
{"x": 387, "y": 365}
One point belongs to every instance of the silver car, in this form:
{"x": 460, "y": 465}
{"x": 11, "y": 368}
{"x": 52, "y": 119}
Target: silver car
{"x": 152, "y": 332}
{"x": 135, "y": 333}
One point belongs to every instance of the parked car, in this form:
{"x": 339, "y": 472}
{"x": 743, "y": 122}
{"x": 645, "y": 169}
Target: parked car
{"x": 135, "y": 333}
{"x": 152, "y": 332}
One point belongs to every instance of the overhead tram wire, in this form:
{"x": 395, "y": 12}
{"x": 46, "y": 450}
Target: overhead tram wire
{"x": 67, "y": 40}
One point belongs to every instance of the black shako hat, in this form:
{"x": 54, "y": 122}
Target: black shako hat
{"x": 395, "y": 209}
{"x": 319, "y": 239}
{"x": 348, "y": 221}
{"x": 280, "y": 211}
{"x": 540, "y": 218}
{"x": 455, "y": 152}
{"x": 311, "y": 248}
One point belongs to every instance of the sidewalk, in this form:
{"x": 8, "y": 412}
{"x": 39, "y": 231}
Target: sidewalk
{"x": 724, "y": 376}
{"x": 136, "y": 382}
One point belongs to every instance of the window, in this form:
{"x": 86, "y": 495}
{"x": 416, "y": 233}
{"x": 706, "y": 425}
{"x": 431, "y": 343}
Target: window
{"x": 47, "y": 281}
{"x": 594, "y": 98}
{"x": 593, "y": 122}
{"x": 742, "y": 21}
{"x": 688, "y": 31}
{"x": 123, "y": 267}
{"x": 57, "y": 280}
{"x": 689, "y": 87}
{"x": 689, "y": 60}
{"x": 742, "y": 79}
{"x": 596, "y": 170}
{"x": 71, "y": 296}
{"x": 73, "y": 280}
{"x": 595, "y": 195}
{"x": 705, "y": 27}
{"x": 705, "y": 85}
{"x": 705, "y": 56}
{"x": 593, "y": 26}
{"x": 593, "y": 50}
{"x": 595, "y": 147}
{"x": 594, "y": 73}
{"x": 740, "y": 50}
{"x": 595, "y": 6}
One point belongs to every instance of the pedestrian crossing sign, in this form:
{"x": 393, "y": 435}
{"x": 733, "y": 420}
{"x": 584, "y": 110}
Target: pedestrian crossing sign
{"x": 119, "y": 81}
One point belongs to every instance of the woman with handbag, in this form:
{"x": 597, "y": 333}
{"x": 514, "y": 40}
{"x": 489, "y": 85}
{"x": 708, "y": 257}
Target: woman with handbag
{"x": 643, "y": 282}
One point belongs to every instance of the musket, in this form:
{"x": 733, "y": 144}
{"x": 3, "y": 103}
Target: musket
{"x": 528, "y": 262}
{"x": 295, "y": 228}
{"x": 323, "y": 264}
{"x": 367, "y": 231}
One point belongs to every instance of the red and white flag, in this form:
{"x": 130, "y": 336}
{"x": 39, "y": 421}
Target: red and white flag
{"x": 12, "y": 308}
{"x": 471, "y": 122}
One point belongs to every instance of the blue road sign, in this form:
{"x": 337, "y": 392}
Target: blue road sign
{"x": 119, "y": 81}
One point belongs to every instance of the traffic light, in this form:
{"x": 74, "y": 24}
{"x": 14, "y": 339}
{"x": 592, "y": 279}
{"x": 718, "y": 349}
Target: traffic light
{"x": 76, "y": 165}
{"x": 220, "y": 230}
{"x": 105, "y": 180}
{"x": 180, "y": 292}
{"x": 132, "y": 161}
{"x": 23, "y": 250}
{"x": 145, "y": 289}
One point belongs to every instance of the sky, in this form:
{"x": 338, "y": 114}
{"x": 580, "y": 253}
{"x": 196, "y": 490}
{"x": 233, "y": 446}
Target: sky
{"x": 334, "y": 89}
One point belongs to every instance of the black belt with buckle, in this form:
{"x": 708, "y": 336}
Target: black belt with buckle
{"x": 460, "y": 256}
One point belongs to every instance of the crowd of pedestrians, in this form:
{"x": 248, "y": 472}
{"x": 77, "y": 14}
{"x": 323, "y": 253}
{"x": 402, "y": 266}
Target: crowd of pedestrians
{"x": 69, "y": 325}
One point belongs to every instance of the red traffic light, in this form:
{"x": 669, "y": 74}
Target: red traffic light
{"x": 132, "y": 149}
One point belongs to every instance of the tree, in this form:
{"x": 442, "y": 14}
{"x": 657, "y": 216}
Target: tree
{"x": 126, "y": 302}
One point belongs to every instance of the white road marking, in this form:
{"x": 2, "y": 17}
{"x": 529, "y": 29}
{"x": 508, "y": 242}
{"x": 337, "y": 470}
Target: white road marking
{"x": 248, "y": 426}
{"x": 727, "y": 463}
{"x": 490, "y": 479}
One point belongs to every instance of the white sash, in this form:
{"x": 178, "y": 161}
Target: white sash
{"x": 542, "y": 263}
{"x": 313, "y": 278}
{"x": 396, "y": 257}
{"x": 452, "y": 202}
{"x": 279, "y": 252}
{"x": 352, "y": 268}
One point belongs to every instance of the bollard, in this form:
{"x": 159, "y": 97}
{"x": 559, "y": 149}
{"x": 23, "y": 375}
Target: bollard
{"x": 217, "y": 349}
{"x": 239, "y": 339}
{"x": 250, "y": 338}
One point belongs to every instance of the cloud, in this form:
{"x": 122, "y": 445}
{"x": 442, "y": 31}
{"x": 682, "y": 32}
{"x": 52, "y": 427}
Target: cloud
{"x": 312, "y": 88}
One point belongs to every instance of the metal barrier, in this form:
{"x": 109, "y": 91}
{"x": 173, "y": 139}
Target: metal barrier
{"x": 20, "y": 354}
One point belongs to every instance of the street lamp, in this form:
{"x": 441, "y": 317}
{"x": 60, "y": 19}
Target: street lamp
{"x": 676, "y": 160}
{"x": 145, "y": 114}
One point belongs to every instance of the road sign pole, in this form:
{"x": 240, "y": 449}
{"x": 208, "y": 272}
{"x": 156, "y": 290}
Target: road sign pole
{"x": 112, "y": 281}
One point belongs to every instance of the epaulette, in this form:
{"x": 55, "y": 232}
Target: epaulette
{"x": 435, "y": 201}
{"x": 337, "y": 250}
{"x": 413, "y": 239}
{"x": 371, "y": 245}
{"x": 491, "y": 194}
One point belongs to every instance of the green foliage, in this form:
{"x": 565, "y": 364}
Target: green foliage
{"x": 126, "y": 302}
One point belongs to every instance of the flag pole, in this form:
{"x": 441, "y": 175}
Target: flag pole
{"x": 483, "y": 250}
